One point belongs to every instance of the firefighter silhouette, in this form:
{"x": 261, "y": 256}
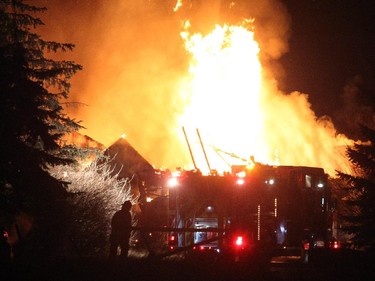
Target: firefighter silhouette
{"x": 120, "y": 230}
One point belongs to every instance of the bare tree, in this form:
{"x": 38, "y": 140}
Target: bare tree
{"x": 96, "y": 194}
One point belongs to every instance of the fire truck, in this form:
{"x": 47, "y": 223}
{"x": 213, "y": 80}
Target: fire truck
{"x": 249, "y": 212}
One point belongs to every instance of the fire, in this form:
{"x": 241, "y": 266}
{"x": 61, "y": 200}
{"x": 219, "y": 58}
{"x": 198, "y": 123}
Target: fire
{"x": 136, "y": 79}
{"x": 226, "y": 78}
{"x": 178, "y": 5}
{"x": 241, "y": 114}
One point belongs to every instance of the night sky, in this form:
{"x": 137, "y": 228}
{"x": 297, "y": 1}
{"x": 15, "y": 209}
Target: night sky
{"x": 331, "y": 43}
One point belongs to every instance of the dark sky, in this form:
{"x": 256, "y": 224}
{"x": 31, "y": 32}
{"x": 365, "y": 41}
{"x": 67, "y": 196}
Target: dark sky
{"x": 332, "y": 41}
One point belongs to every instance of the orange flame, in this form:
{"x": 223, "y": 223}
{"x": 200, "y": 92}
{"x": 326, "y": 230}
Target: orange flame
{"x": 242, "y": 114}
{"x": 225, "y": 87}
{"x": 135, "y": 80}
{"x": 178, "y": 5}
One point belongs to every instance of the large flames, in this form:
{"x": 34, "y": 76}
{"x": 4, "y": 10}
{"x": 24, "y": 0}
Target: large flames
{"x": 140, "y": 77}
{"x": 240, "y": 114}
{"x": 224, "y": 97}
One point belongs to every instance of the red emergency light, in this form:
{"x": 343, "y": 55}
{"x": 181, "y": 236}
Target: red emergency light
{"x": 239, "y": 241}
{"x": 335, "y": 245}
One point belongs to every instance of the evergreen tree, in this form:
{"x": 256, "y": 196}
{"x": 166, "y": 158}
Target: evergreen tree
{"x": 32, "y": 124}
{"x": 361, "y": 192}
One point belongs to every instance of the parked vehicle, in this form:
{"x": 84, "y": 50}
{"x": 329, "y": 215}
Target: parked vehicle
{"x": 265, "y": 209}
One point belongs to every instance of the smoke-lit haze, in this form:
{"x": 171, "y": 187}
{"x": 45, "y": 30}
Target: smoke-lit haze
{"x": 136, "y": 76}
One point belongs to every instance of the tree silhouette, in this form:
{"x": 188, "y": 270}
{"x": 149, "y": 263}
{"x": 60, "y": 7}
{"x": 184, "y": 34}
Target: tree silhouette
{"x": 361, "y": 192}
{"x": 32, "y": 125}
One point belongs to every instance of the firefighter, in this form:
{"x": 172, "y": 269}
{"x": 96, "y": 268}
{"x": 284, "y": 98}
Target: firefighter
{"x": 121, "y": 228}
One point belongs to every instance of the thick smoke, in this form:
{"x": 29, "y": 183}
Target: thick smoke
{"x": 133, "y": 59}
{"x": 135, "y": 65}
{"x": 134, "y": 62}
{"x": 355, "y": 108}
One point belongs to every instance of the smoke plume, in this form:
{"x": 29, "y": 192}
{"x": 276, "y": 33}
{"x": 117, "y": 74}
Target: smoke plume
{"x": 134, "y": 63}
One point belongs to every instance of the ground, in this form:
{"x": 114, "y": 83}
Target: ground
{"x": 342, "y": 265}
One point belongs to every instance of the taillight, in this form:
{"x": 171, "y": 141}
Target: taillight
{"x": 172, "y": 241}
{"x": 239, "y": 241}
{"x": 335, "y": 245}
